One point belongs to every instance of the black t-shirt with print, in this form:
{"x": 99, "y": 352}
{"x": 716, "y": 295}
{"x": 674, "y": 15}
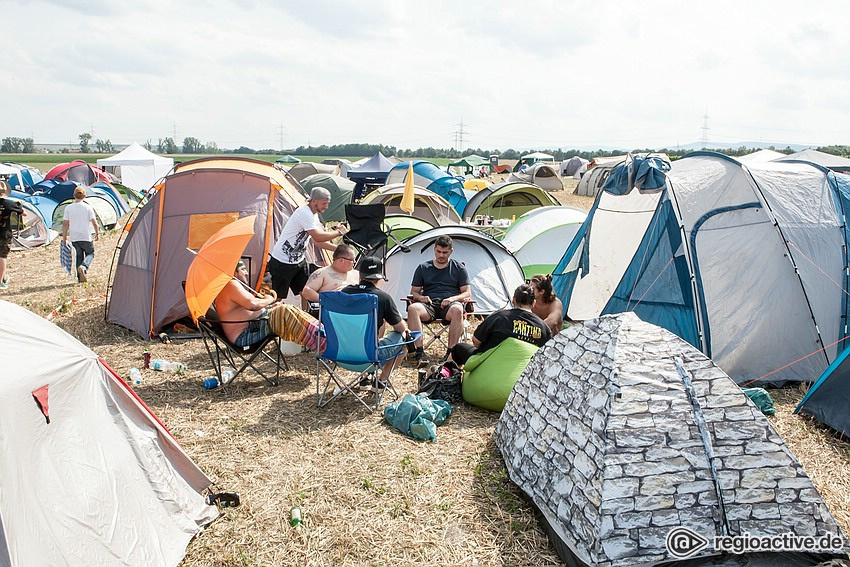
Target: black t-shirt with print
{"x": 387, "y": 310}
{"x": 517, "y": 323}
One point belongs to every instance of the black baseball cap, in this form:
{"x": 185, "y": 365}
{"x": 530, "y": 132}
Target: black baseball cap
{"x": 371, "y": 268}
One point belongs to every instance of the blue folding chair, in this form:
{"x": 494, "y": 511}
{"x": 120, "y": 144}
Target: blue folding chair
{"x": 350, "y": 328}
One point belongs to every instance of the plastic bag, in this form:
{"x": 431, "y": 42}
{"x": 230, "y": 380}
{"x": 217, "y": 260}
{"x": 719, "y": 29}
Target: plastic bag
{"x": 417, "y": 416}
{"x": 761, "y": 399}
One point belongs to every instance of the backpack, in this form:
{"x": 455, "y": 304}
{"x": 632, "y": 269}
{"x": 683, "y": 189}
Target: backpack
{"x": 442, "y": 382}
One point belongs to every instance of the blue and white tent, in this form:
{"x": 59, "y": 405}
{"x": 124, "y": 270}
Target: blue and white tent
{"x": 828, "y": 398}
{"x": 431, "y": 177}
{"x": 746, "y": 262}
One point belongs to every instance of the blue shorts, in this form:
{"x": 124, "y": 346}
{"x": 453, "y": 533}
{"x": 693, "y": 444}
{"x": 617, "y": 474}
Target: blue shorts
{"x": 390, "y": 352}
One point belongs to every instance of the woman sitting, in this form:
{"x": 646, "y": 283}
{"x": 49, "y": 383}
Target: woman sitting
{"x": 547, "y": 306}
{"x": 518, "y": 322}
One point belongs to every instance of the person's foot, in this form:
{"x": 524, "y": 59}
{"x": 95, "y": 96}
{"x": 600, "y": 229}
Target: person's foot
{"x": 81, "y": 274}
{"x": 3, "y": 284}
{"x": 365, "y": 384}
{"x": 419, "y": 356}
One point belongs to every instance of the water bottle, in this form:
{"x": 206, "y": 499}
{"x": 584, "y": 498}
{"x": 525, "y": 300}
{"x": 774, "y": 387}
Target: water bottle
{"x": 295, "y": 517}
{"x": 211, "y": 383}
{"x": 135, "y": 376}
{"x": 164, "y": 365}
{"x": 227, "y": 375}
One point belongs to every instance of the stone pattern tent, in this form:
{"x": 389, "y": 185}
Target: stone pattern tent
{"x": 606, "y": 436}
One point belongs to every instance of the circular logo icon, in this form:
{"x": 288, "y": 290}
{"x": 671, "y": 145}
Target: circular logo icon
{"x": 683, "y": 542}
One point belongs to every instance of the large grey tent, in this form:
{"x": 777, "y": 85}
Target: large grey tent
{"x": 823, "y": 159}
{"x": 544, "y": 175}
{"x": 89, "y": 475}
{"x": 594, "y": 178}
{"x": 619, "y": 431}
{"x": 746, "y": 262}
{"x": 302, "y": 170}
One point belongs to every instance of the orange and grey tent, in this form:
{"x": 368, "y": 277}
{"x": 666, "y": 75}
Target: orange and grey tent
{"x": 145, "y": 291}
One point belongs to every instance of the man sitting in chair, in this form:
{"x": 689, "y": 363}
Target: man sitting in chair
{"x": 261, "y": 315}
{"x": 439, "y": 290}
{"x": 371, "y": 272}
{"x": 330, "y": 278}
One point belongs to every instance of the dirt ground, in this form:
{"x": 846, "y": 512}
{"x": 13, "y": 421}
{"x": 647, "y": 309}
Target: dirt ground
{"x": 368, "y": 494}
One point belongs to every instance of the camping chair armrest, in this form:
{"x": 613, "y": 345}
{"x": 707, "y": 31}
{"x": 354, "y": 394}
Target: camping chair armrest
{"x": 220, "y": 321}
{"x": 414, "y": 336}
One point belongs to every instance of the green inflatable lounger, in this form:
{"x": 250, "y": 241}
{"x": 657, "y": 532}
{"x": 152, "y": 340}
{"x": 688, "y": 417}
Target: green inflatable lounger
{"x": 490, "y": 376}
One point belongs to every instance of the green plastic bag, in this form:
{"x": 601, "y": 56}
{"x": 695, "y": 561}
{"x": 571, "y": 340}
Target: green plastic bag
{"x": 761, "y": 399}
{"x": 418, "y": 416}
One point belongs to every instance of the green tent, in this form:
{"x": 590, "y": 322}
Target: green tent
{"x": 404, "y": 226}
{"x": 288, "y": 159}
{"x": 341, "y": 190}
{"x": 470, "y": 162}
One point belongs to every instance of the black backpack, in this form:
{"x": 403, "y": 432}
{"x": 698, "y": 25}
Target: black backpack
{"x": 443, "y": 382}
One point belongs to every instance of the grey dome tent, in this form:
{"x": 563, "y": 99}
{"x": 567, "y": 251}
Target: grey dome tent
{"x": 823, "y": 159}
{"x": 301, "y": 171}
{"x": 544, "y": 175}
{"x": 574, "y": 167}
{"x": 427, "y": 205}
{"x": 619, "y": 431}
{"x": 594, "y": 178}
{"x": 89, "y": 475}
{"x": 341, "y": 190}
{"x": 494, "y": 272}
{"x": 746, "y": 262}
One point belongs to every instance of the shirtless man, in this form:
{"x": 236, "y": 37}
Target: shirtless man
{"x": 330, "y": 278}
{"x": 238, "y": 302}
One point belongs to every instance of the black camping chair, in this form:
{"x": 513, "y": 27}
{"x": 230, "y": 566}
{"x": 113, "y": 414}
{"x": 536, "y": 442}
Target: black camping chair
{"x": 366, "y": 230}
{"x": 224, "y": 353}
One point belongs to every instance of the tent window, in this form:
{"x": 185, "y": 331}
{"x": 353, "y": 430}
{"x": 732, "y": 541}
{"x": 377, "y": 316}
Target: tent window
{"x": 517, "y": 200}
{"x": 201, "y": 227}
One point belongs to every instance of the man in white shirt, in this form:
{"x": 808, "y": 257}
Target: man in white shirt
{"x": 77, "y": 218}
{"x": 331, "y": 278}
{"x": 287, "y": 265}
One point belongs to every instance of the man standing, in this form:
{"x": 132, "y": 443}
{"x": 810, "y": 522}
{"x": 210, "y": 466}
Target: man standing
{"x": 7, "y": 209}
{"x": 371, "y": 271}
{"x": 330, "y": 278}
{"x": 78, "y": 216}
{"x": 287, "y": 264}
{"x": 439, "y": 290}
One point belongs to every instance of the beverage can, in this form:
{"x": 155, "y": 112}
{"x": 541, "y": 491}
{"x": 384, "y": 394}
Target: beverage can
{"x": 211, "y": 383}
{"x": 295, "y": 517}
{"x": 146, "y": 356}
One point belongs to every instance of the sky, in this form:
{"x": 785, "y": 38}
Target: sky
{"x": 560, "y": 74}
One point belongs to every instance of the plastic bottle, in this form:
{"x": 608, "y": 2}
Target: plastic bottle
{"x": 227, "y": 375}
{"x": 211, "y": 383}
{"x": 295, "y": 517}
{"x": 135, "y": 376}
{"x": 164, "y": 365}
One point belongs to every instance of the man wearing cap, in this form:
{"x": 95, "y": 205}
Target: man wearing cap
{"x": 371, "y": 273}
{"x": 287, "y": 265}
{"x": 76, "y": 220}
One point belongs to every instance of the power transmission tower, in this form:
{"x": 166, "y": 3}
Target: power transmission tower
{"x": 459, "y": 134}
{"x": 704, "y": 130}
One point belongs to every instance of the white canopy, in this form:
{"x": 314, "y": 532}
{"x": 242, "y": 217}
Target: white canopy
{"x": 139, "y": 168}
{"x": 537, "y": 156}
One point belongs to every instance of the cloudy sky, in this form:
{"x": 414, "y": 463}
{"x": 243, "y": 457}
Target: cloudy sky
{"x": 515, "y": 74}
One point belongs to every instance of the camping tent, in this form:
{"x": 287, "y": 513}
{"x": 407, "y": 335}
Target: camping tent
{"x": 427, "y": 205}
{"x": 508, "y": 199}
{"x": 306, "y": 168}
{"x": 402, "y": 226}
{"x": 80, "y": 172}
{"x": 288, "y": 159}
{"x": 593, "y": 179}
{"x": 19, "y": 176}
{"x": 747, "y": 263}
{"x": 287, "y": 183}
{"x": 470, "y": 163}
{"x": 539, "y": 238}
{"x": 533, "y": 157}
{"x": 341, "y": 190}
{"x": 494, "y": 272}
{"x": 372, "y": 172}
{"x": 618, "y": 431}
{"x": 104, "y": 211}
{"x": 137, "y": 167}
{"x": 761, "y": 155}
{"x": 829, "y": 161}
{"x": 543, "y": 175}
{"x": 431, "y": 177}
{"x": 32, "y": 231}
{"x": 574, "y": 167}
{"x": 188, "y": 207}
{"x": 89, "y": 475}
{"x": 829, "y": 397}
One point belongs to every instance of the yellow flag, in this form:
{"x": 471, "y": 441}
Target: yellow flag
{"x": 407, "y": 198}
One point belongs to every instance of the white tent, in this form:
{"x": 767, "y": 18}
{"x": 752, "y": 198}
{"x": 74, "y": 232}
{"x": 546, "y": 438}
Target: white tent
{"x": 89, "y": 476}
{"x": 493, "y": 271}
{"x": 745, "y": 262}
{"x": 138, "y": 168}
{"x": 540, "y": 237}
{"x": 761, "y": 156}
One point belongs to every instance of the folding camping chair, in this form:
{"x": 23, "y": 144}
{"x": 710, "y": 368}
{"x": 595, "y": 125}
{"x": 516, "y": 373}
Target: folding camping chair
{"x": 437, "y": 330}
{"x": 366, "y": 230}
{"x": 350, "y": 328}
{"x": 221, "y": 350}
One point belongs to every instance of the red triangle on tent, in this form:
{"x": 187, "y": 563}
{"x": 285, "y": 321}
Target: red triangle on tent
{"x": 40, "y": 395}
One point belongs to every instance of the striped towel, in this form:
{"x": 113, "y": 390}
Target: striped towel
{"x": 65, "y": 257}
{"x": 292, "y": 324}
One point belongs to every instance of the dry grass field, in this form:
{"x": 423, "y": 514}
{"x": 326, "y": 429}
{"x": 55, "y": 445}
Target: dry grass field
{"x": 369, "y": 495}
